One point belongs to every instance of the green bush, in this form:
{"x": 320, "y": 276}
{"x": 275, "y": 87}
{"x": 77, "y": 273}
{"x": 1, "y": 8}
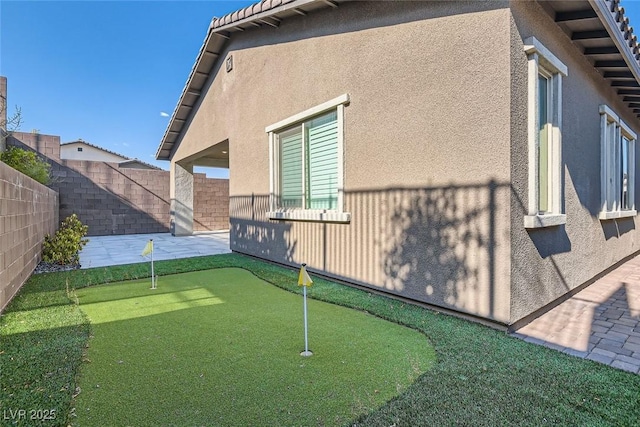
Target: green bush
{"x": 27, "y": 162}
{"x": 64, "y": 247}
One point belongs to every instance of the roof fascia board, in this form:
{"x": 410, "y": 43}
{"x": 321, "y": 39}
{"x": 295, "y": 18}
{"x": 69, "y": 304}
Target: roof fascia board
{"x": 185, "y": 89}
{"x": 612, "y": 26}
{"x": 211, "y": 32}
{"x": 262, "y": 15}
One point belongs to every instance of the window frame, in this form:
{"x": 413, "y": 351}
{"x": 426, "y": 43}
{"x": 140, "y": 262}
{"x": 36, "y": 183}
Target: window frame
{"x": 541, "y": 62}
{"x": 611, "y": 170}
{"x": 303, "y": 214}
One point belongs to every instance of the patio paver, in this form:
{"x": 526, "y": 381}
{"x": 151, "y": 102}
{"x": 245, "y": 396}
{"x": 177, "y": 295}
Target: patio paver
{"x": 600, "y": 323}
{"x": 102, "y": 251}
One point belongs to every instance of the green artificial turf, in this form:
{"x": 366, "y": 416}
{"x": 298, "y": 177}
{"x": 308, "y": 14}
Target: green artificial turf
{"x": 222, "y": 347}
{"x": 481, "y": 377}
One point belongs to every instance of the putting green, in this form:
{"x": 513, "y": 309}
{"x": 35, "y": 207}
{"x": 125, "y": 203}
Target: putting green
{"x": 222, "y": 347}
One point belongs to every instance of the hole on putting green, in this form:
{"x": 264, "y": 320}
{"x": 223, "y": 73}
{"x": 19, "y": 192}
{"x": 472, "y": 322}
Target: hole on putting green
{"x": 306, "y": 353}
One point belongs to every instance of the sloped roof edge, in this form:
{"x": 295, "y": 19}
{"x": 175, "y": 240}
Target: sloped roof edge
{"x": 258, "y": 14}
{"x": 609, "y": 12}
{"x": 617, "y": 24}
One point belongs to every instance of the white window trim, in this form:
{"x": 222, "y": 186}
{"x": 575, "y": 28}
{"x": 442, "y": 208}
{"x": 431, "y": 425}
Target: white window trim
{"x": 540, "y": 58}
{"x": 299, "y": 214}
{"x": 607, "y": 157}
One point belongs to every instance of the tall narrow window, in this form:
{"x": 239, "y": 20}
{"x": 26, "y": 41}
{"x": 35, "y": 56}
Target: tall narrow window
{"x": 306, "y": 163}
{"x": 545, "y": 72}
{"x": 617, "y": 155}
{"x": 625, "y": 173}
{"x": 544, "y": 128}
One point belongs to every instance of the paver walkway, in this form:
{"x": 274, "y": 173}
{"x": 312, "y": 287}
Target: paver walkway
{"x": 601, "y": 322}
{"x": 102, "y": 251}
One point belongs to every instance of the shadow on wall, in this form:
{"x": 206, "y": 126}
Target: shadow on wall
{"x": 439, "y": 245}
{"x": 251, "y": 233}
{"x": 442, "y": 241}
{"x": 181, "y": 214}
{"x": 107, "y": 211}
{"x": 617, "y": 227}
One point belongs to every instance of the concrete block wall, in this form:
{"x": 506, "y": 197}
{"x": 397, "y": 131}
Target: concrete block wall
{"x": 46, "y": 145}
{"x": 210, "y": 203}
{"x": 114, "y": 200}
{"x": 28, "y": 212}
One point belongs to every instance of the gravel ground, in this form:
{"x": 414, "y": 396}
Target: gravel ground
{"x": 45, "y": 267}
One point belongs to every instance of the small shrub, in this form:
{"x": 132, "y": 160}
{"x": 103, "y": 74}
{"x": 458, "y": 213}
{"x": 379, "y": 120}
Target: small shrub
{"x": 27, "y": 162}
{"x": 64, "y": 247}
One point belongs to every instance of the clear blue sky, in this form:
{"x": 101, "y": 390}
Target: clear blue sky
{"x": 103, "y": 71}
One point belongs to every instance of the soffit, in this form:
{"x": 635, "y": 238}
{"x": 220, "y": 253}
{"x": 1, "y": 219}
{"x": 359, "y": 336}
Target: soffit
{"x": 600, "y": 29}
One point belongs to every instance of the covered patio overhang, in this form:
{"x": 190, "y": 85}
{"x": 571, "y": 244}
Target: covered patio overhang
{"x": 602, "y": 32}
{"x": 181, "y": 184}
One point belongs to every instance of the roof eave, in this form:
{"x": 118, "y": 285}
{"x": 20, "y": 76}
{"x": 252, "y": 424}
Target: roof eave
{"x": 222, "y": 28}
{"x": 623, "y": 40}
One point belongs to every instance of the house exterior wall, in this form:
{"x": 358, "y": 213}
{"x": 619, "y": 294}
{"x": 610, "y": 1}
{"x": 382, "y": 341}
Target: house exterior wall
{"x": 429, "y": 112}
{"x": 70, "y": 152}
{"x": 28, "y": 212}
{"x": 547, "y": 263}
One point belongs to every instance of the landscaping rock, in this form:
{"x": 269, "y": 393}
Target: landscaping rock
{"x": 45, "y": 267}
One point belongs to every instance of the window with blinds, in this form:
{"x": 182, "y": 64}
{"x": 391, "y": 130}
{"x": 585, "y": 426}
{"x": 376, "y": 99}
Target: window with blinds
{"x": 309, "y": 163}
{"x": 306, "y": 164}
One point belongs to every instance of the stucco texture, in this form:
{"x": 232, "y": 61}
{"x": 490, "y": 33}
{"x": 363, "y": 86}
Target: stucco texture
{"x": 547, "y": 263}
{"x": 426, "y": 145}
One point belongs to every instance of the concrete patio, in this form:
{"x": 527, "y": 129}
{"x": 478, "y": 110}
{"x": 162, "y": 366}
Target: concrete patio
{"x": 102, "y": 251}
{"x": 600, "y": 323}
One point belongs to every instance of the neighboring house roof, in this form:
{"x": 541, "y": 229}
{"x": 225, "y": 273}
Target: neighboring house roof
{"x": 137, "y": 164}
{"x": 598, "y": 27}
{"x": 125, "y": 162}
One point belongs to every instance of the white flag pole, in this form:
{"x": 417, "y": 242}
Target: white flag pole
{"x": 304, "y": 280}
{"x": 153, "y": 276}
{"x": 306, "y": 327}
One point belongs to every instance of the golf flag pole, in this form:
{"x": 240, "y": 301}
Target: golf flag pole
{"x": 148, "y": 249}
{"x": 305, "y": 281}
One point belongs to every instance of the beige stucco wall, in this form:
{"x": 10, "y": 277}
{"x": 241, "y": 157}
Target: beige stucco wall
{"x": 547, "y": 263}
{"x": 427, "y": 132}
